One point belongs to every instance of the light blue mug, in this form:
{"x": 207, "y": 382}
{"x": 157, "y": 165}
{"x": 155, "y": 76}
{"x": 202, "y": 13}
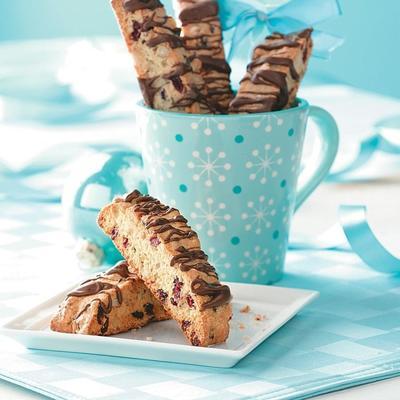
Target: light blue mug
{"x": 235, "y": 178}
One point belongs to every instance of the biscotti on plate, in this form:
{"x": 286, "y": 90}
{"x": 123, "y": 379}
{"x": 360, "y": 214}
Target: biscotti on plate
{"x": 113, "y": 302}
{"x": 165, "y": 253}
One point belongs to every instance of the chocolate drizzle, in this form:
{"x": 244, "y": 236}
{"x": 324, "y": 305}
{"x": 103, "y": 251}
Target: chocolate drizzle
{"x": 188, "y": 259}
{"x": 121, "y": 269}
{"x": 95, "y": 286}
{"x": 173, "y": 40}
{"x": 242, "y": 100}
{"x": 198, "y": 11}
{"x": 220, "y": 294}
{"x": 278, "y": 79}
{"x": 272, "y": 60}
{"x": 90, "y": 288}
{"x": 134, "y": 5}
{"x": 214, "y": 64}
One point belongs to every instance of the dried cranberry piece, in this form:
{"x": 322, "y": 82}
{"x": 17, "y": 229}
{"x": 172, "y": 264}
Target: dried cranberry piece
{"x": 149, "y": 308}
{"x": 135, "y": 35}
{"x": 194, "y": 339}
{"x": 173, "y": 301}
{"x": 162, "y": 295}
{"x": 162, "y": 93}
{"x": 114, "y": 233}
{"x": 177, "y": 82}
{"x": 190, "y": 301}
{"x": 154, "y": 241}
{"x": 176, "y": 290}
{"x": 185, "y": 324}
{"x": 125, "y": 242}
{"x": 138, "y": 314}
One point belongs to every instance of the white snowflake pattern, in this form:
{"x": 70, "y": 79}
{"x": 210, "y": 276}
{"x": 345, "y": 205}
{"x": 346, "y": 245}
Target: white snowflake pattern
{"x": 161, "y": 161}
{"x": 266, "y": 123}
{"x": 209, "y": 166}
{"x": 219, "y": 261}
{"x": 211, "y": 217}
{"x": 263, "y": 163}
{"x": 257, "y": 219}
{"x": 255, "y": 263}
{"x": 204, "y": 123}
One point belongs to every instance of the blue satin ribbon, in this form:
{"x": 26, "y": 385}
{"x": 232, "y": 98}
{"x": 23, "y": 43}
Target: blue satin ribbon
{"x": 363, "y": 241}
{"x": 367, "y": 149}
{"x": 360, "y": 240}
{"x": 241, "y": 19}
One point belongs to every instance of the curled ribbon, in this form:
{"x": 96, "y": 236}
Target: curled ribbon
{"x": 251, "y": 17}
{"x": 368, "y": 147}
{"x": 360, "y": 239}
{"x": 363, "y": 241}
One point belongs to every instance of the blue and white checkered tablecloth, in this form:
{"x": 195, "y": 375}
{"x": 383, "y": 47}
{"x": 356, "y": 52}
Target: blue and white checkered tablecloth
{"x": 350, "y": 335}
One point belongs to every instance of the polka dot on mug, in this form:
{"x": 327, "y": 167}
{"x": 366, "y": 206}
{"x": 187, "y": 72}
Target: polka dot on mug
{"x": 235, "y": 240}
{"x": 275, "y": 235}
{"x": 236, "y": 189}
{"x": 183, "y": 188}
{"x": 239, "y": 139}
{"x": 290, "y": 132}
{"x": 283, "y": 183}
{"x": 179, "y": 138}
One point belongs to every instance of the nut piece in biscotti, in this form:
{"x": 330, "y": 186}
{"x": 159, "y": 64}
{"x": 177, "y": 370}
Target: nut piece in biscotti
{"x": 113, "y": 302}
{"x": 274, "y": 74}
{"x": 202, "y": 37}
{"x": 168, "y": 78}
{"x": 165, "y": 252}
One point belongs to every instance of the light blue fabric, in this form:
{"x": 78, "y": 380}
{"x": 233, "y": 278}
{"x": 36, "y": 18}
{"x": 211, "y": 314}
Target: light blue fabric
{"x": 349, "y": 336}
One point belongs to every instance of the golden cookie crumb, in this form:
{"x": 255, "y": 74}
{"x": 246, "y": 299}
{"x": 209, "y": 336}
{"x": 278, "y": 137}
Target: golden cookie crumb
{"x": 259, "y": 317}
{"x": 245, "y": 309}
{"x": 241, "y": 326}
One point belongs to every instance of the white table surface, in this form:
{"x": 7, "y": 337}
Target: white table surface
{"x": 355, "y": 112}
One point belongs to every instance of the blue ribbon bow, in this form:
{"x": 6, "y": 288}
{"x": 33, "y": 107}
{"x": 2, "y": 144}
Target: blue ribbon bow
{"x": 240, "y": 19}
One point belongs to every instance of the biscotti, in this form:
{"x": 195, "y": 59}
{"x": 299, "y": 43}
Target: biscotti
{"x": 202, "y": 38}
{"x": 165, "y": 253}
{"x": 113, "y": 302}
{"x": 168, "y": 77}
{"x": 274, "y": 74}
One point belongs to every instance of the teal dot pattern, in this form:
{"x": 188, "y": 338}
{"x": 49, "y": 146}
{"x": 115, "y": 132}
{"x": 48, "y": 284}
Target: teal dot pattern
{"x": 235, "y": 240}
{"x": 239, "y": 139}
{"x": 234, "y": 180}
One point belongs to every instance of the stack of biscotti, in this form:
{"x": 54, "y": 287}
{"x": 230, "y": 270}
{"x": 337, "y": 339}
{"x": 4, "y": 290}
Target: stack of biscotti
{"x": 165, "y": 253}
{"x": 113, "y": 302}
{"x": 184, "y": 69}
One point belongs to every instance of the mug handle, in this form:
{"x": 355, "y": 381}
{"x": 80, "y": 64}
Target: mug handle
{"x": 322, "y": 158}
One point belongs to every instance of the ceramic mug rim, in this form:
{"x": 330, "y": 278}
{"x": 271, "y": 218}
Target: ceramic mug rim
{"x": 301, "y": 105}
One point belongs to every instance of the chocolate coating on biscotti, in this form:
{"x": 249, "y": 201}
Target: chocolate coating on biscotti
{"x": 202, "y": 36}
{"x": 274, "y": 74}
{"x": 106, "y": 304}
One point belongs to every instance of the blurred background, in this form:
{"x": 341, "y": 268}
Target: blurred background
{"x": 366, "y": 60}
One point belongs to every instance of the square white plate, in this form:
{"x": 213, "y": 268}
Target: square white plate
{"x": 163, "y": 341}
